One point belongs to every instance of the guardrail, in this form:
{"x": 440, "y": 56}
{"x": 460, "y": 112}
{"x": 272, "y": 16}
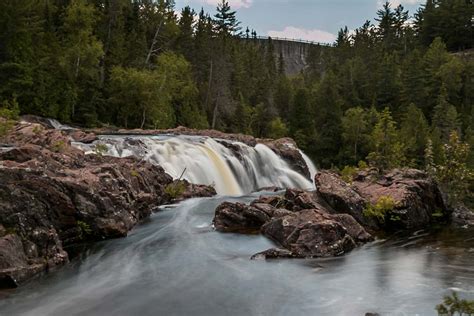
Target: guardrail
{"x": 284, "y": 39}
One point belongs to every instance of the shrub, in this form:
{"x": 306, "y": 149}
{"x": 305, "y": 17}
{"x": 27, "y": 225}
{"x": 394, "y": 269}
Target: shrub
{"x": 348, "y": 173}
{"x": 59, "y": 146}
{"x": 100, "y": 149}
{"x": 84, "y": 228}
{"x": 9, "y": 112}
{"x": 379, "y": 211}
{"x": 175, "y": 189}
{"x": 453, "y": 305}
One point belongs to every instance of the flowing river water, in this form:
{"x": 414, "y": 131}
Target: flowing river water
{"x": 176, "y": 264}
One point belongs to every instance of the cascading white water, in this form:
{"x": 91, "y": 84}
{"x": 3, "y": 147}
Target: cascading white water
{"x": 233, "y": 170}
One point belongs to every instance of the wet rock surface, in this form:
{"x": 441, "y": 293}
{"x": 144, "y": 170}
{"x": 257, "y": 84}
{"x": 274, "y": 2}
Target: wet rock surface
{"x": 53, "y": 196}
{"x": 297, "y": 222}
{"x": 332, "y": 220}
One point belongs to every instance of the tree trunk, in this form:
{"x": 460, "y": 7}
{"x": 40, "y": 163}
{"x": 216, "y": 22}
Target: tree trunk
{"x": 143, "y": 118}
{"x": 214, "y": 114}
{"x": 153, "y": 43}
{"x": 209, "y": 86}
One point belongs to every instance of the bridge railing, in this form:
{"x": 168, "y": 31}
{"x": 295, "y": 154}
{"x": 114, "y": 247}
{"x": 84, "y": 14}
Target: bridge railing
{"x": 285, "y": 39}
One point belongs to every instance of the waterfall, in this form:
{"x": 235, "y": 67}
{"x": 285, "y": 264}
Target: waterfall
{"x": 233, "y": 168}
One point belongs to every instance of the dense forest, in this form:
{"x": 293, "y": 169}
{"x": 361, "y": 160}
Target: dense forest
{"x": 390, "y": 92}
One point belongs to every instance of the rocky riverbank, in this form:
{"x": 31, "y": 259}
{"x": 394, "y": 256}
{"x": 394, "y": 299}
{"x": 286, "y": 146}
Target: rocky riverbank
{"x": 53, "y": 197}
{"x": 338, "y": 216}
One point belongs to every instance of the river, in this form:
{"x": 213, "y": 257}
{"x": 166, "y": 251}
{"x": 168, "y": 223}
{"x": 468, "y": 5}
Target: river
{"x": 176, "y": 264}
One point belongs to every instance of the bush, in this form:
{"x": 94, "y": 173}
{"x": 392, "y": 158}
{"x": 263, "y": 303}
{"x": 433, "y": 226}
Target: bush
{"x": 9, "y": 112}
{"x": 453, "y": 305}
{"x": 58, "y": 146}
{"x": 100, "y": 149}
{"x": 384, "y": 205}
{"x": 348, "y": 173}
{"x": 175, "y": 189}
{"x": 84, "y": 228}
{"x": 453, "y": 173}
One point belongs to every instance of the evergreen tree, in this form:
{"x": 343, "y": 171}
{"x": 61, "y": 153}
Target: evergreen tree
{"x": 445, "y": 116}
{"x": 414, "y": 132}
{"x": 387, "y": 152}
{"x": 225, "y": 20}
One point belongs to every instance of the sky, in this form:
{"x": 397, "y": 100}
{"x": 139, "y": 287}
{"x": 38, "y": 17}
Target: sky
{"x": 313, "y": 20}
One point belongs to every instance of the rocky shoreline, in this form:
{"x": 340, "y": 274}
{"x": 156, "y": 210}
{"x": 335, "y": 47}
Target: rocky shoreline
{"x": 334, "y": 219}
{"x": 53, "y": 196}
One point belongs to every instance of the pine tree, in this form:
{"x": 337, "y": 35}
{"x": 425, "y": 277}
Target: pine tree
{"x": 445, "y": 116}
{"x": 225, "y": 20}
{"x": 414, "y": 133}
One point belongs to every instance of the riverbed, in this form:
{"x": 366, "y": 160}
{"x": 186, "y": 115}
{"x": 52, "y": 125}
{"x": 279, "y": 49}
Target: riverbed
{"x": 176, "y": 264}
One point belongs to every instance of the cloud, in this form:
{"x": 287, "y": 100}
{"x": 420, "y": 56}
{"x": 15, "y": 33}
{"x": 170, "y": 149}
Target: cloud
{"x": 235, "y": 4}
{"x": 304, "y": 34}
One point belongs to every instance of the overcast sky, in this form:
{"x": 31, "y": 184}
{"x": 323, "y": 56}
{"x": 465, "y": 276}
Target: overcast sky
{"x": 315, "y": 20}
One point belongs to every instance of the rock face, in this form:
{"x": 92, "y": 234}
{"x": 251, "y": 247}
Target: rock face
{"x": 313, "y": 233}
{"x": 296, "y": 221}
{"x": 53, "y": 196}
{"x": 417, "y": 199}
{"x": 332, "y": 220}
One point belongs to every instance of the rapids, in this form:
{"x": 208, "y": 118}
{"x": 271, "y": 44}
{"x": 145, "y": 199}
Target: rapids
{"x": 235, "y": 169}
{"x": 176, "y": 264}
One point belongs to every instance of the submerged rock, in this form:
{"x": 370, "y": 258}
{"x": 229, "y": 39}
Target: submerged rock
{"x": 53, "y": 196}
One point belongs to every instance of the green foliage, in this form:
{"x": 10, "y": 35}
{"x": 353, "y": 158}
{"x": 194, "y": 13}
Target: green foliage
{"x": 59, "y": 146}
{"x": 384, "y": 205}
{"x": 277, "y": 129}
{"x": 100, "y": 149}
{"x": 453, "y": 174}
{"x": 355, "y": 131}
{"x": 414, "y": 132}
{"x": 138, "y": 64}
{"x": 9, "y": 111}
{"x": 175, "y": 189}
{"x": 453, "y": 305}
{"x": 348, "y": 173}
{"x": 84, "y": 228}
{"x": 388, "y": 151}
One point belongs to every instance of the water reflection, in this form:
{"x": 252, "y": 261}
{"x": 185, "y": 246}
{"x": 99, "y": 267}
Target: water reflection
{"x": 177, "y": 265}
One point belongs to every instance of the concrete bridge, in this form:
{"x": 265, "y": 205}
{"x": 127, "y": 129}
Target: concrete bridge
{"x": 295, "y": 52}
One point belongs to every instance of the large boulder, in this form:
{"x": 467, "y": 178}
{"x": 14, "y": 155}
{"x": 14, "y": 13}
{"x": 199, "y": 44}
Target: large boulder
{"x": 342, "y": 197}
{"x": 417, "y": 200}
{"x": 296, "y": 221}
{"x": 242, "y": 218}
{"x": 312, "y": 233}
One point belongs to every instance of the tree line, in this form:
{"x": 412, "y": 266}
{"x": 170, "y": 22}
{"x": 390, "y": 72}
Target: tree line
{"x": 385, "y": 93}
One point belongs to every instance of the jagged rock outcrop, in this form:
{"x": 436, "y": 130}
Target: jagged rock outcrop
{"x": 417, "y": 198}
{"x": 296, "y": 221}
{"x": 333, "y": 220}
{"x": 53, "y": 196}
{"x": 314, "y": 233}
